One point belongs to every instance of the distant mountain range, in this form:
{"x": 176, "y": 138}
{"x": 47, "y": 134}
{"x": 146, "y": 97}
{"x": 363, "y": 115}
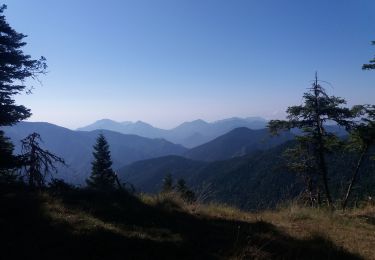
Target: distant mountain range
{"x": 188, "y": 134}
{"x": 76, "y": 147}
{"x": 241, "y": 167}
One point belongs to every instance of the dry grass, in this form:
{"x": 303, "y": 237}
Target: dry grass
{"x": 353, "y": 230}
{"x": 96, "y": 226}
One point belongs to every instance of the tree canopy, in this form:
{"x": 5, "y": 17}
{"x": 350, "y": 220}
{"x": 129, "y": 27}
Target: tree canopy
{"x": 317, "y": 110}
{"x": 15, "y": 68}
{"x": 102, "y": 176}
{"x": 371, "y": 64}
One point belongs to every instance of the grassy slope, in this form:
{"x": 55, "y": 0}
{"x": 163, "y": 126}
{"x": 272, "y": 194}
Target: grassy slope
{"x": 87, "y": 225}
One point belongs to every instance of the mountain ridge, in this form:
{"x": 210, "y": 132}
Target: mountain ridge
{"x": 189, "y": 134}
{"x": 75, "y": 147}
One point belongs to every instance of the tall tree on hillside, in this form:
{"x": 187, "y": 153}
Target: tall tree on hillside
{"x": 318, "y": 108}
{"x": 15, "y": 68}
{"x": 102, "y": 176}
{"x": 362, "y": 139}
{"x": 371, "y": 64}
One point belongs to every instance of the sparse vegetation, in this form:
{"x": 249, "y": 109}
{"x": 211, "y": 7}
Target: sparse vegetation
{"x": 89, "y": 224}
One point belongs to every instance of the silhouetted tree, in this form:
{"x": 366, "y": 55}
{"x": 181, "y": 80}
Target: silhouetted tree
{"x": 15, "y": 68}
{"x": 38, "y": 163}
{"x": 362, "y": 138}
{"x": 102, "y": 176}
{"x": 371, "y": 65}
{"x": 318, "y": 108}
{"x": 167, "y": 183}
{"x": 8, "y": 162}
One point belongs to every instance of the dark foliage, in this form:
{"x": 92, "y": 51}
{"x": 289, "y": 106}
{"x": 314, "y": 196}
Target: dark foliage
{"x": 185, "y": 193}
{"x": 7, "y": 160}
{"x": 102, "y": 176}
{"x": 361, "y": 141}
{"x": 59, "y": 186}
{"x": 371, "y": 64}
{"x": 37, "y": 162}
{"x": 15, "y": 68}
{"x": 311, "y": 118}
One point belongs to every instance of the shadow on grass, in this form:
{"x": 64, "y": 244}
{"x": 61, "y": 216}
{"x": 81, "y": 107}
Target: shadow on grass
{"x": 125, "y": 228}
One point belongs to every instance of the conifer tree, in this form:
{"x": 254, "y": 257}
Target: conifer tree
{"x": 311, "y": 117}
{"x": 8, "y": 162}
{"x": 6, "y": 151}
{"x": 15, "y": 68}
{"x": 102, "y": 176}
{"x": 371, "y": 64}
{"x": 362, "y": 139}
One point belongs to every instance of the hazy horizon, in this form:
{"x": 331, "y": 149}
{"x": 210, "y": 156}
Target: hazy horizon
{"x": 166, "y": 62}
{"x": 165, "y": 127}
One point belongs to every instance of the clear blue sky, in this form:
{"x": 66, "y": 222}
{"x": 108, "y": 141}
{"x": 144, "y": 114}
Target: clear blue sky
{"x": 168, "y": 61}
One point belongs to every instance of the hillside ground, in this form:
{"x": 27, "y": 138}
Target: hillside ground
{"x": 88, "y": 225}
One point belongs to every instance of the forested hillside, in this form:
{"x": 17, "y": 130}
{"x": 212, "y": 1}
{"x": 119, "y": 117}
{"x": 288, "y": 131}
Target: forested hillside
{"x": 255, "y": 181}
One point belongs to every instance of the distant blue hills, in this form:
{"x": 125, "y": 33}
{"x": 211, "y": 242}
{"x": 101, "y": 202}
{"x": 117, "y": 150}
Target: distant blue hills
{"x": 188, "y": 134}
{"x": 76, "y": 147}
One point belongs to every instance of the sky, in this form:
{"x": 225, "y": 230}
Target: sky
{"x": 169, "y": 61}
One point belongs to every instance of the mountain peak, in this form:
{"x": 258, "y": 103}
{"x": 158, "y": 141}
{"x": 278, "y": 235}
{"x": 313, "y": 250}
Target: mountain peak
{"x": 105, "y": 120}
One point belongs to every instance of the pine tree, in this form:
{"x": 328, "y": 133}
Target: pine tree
{"x": 361, "y": 140}
{"x": 8, "y": 162}
{"x": 6, "y": 151}
{"x": 102, "y": 176}
{"x": 311, "y": 117}
{"x": 371, "y": 65}
{"x": 15, "y": 68}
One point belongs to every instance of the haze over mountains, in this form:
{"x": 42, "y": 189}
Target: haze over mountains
{"x": 232, "y": 163}
{"x": 188, "y": 134}
{"x": 75, "y": 147}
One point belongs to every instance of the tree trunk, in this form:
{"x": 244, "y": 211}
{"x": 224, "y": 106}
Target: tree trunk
{"x": 118, "y": 182}
{"x": 320, "y": 149}
{"x": 354, "y": 177}
{"x": 322, "y": 165}
{"x": 32, "y": 168}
